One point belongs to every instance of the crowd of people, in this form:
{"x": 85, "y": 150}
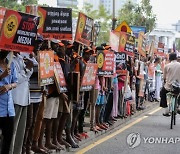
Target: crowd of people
{"x": 39, "y": 119}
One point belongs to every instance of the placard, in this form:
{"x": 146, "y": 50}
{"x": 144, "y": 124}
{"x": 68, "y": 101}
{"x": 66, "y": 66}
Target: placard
{"x": 59, "y": 78}
{"x": 121, "y": 63}
{"x": 142, "y": 44}
{"x": 127, "y": 43}
{"x": 54, "y": 22}
{"x": 88, "y": 80}
{"x": 114, "y": 41}
{"x": 84, "y": 29}
{"x": 18, "y": 32}
{"x": 105, "y": 61}
{"x": 46, "y": 67}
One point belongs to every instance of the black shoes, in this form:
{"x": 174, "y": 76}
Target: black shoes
{"x": 166, "y": 114}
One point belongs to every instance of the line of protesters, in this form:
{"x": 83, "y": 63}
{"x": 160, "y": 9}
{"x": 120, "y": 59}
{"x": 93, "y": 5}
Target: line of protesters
{"x": 30, "y": 114}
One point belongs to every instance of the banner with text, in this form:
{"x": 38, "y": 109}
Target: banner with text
{"x": 105, "y": 61}
{"x": 46, "y": 67}
{"x": 18, "y": 32}
{"x": 59, "y": 78}
{"x": 84, "y": 29}
{"x": 89, "y": 77}
{"x": 55, "y": 22}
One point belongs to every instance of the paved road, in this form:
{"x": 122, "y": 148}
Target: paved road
{"x": 155, "y": 137}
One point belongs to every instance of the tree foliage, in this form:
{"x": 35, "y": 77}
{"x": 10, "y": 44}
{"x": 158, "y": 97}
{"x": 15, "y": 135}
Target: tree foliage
{"x": 101, "y": 16}
{"x": 15, "y": 5}
{"x": 138, "y": 14}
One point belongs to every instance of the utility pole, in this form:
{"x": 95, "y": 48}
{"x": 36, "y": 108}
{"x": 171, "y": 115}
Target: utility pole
{"x": 113, "y": 16}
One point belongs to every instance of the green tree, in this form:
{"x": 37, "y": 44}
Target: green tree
{"x": 138, "y": 14}
{"x": 101, "y": 16}
{"x": 15, "y": 5}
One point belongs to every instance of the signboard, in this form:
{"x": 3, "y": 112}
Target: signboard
{"x": 105, "y": 61}
{"x": 2, "y": 14}
{"x": 54, "y": 22}
{"x": 59, "y": 78}
{"x": 121, "y": 63}
{"x": 46, "y": 67}
{"x": 127, "y": 43}
{"x": 84, "y": 29}
{"x": 137, "y": 29}
{"x": 114, "y": 41}
{"x": 18, "y": 32}
{"x": 142, "y": 44}
{"x": 88, "y": 80}
{"x": 123, "y": 27}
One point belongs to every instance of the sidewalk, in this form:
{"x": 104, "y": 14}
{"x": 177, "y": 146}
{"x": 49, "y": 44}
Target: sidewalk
{"x": 93, "y": 136}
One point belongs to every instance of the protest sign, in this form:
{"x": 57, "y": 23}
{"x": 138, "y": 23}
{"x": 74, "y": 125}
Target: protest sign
{"x": 114, "y": 41}
{"x": 89, "y": 77}
{"x": 105, "y": 61}
{"x": 84, "y": 29}
{"x": 127, "y": 43}
{"x": 18, "y": 32}
{"x": 120, "y": 63}
{"x": 54, "y": 22}
{"x": 59, "y": 78}
{"x": 46, "y": 67}
{"x": 142, "y": 44}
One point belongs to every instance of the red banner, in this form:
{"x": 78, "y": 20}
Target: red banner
{"x": 89, "y": 77}
{"x": 84, "y": 29}
{"x": 46, "y": 67}
{"x": 18, "y": 32}
{"x": 59, "y": 78}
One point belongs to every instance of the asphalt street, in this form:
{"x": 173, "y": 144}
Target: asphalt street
{"x": 149, "y": 133}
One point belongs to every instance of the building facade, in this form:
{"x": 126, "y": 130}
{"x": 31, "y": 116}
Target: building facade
{"x": 67, "y": 3}
{"x": 108, "y": 4}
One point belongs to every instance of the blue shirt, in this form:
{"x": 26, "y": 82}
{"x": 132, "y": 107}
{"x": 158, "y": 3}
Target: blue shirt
{"x": 6, "y": 101}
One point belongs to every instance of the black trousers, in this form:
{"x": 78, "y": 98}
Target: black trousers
{"x": 108, "y": 107}
{"x": 83, "y": 112}
{"x": 6, "y": 125}
{"x": 163, "y": 101}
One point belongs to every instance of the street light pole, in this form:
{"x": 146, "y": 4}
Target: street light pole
{"x": 113, "y": 16}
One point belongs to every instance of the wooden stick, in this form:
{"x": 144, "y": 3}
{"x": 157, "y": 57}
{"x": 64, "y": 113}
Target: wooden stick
{"x": 10, "y": 59}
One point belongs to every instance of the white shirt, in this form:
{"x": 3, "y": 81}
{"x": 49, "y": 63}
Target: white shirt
{"x": 171, "y": 74}
{"x": 21, "y": 94}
